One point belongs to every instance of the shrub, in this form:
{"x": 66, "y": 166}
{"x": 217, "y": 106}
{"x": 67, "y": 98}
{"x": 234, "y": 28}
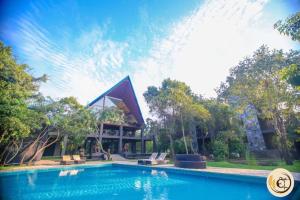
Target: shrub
{"x": 220, "y": 150}
{"x": 180, "y": 147}
{"x": 236, "y": 146}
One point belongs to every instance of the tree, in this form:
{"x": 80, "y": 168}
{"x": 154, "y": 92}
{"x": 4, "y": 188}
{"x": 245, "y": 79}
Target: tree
{"x": 222, "y": 119}
{"x": 290, "y": 26}
{"x": 17, "y": 86}
{"x": 72, "y": 120}
{"x": 256, "y": 80}
{"x": 67, "y": 118}
{"x": 174, "y": 104}
{"x": 27, "y": 117}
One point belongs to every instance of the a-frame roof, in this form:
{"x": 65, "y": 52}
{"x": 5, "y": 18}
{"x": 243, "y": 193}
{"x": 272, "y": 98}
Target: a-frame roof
{"x": 124, "y": 90}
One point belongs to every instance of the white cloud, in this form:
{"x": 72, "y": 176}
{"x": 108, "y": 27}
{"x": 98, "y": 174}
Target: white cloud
{"x": 202, "y": 47}
{"x": 84, "y": 69}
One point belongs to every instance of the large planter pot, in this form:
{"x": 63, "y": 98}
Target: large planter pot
{"x": 193, "y": 161}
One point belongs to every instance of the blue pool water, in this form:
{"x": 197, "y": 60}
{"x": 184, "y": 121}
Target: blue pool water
{"x": 108, "y": 182}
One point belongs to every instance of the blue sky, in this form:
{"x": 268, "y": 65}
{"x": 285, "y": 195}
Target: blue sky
{"x": 87, "y": 46}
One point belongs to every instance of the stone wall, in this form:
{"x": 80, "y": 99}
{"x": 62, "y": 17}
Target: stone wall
{"x": 253, "y": 131}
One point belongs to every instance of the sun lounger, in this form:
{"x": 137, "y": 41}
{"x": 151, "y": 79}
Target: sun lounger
{"x": 160, "y": 160}
{"x": 66, "y": 160}
{"x": 78, "y": 160}
{"x": 143, "y": 161}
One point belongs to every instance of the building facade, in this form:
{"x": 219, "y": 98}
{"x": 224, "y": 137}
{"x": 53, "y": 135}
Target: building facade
{"x": 125, "y": 137}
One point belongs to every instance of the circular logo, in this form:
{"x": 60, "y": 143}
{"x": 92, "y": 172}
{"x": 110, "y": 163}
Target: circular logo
{"x": 280, "y": 182}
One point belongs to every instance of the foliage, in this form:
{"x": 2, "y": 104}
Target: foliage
{"x": 256, "y": 80}
{"x": 290, "y": 26}
{"x": 71, "y": 119}
{"x": 111, "y": 115}
{"x": 17, "y": 86}
{"x": 179, "y": 145}
{"x": 149, "y": 146}
{"x": 28, "y": 116}
{"x": 163, "y": 140}
{"x": 223, "y": 118}
{"x": 227, "y": 144}
{"x": 174, "y": 104}
{"x": 291, "y": 74}
{"x": 236, "y": 145}
{"x": 220, "y": 150}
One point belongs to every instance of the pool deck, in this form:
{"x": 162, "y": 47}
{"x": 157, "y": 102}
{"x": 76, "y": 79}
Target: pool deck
{"x": 249, "y": 172}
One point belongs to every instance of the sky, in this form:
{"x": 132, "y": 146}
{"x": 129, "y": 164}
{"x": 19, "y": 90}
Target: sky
{"x": 85, "y": 47}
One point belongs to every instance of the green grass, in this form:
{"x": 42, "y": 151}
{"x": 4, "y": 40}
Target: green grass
{"x": 10, "y": 167}
{"x": 280, "y": 164}
{"x": 54, "y": 158}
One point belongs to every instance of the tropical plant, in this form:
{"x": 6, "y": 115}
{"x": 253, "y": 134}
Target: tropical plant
{"x": 220, "y": 150}
{"x": 256, "y": 81}
{"x": 290, "y": 26}
{"x": 174, "y": 104}
{"x": 17, "y": 87}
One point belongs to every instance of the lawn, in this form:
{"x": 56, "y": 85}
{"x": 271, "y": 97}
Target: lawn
{"x": 10, "y": 167}
{"x": 280, "y": 164}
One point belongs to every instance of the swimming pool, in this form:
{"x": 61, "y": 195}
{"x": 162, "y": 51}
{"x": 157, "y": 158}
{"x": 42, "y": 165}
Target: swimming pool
{"x": 113, "y": 181}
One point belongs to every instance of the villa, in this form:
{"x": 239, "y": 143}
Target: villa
{"x": 119, "y": 138}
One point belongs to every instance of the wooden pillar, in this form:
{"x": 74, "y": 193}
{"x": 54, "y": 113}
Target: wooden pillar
{"x": 120, "y": 149}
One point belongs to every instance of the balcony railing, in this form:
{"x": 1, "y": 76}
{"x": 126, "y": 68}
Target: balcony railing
{"x": 109, "y": 132}
{"x": 129, "y": 133}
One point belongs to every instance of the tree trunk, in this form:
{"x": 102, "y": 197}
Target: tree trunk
{"x": 41, "y": 135}
{"x": 16, "y": 153}
{"x": 44, "y": 146}
{"x": 100, "y": 139}
{"x": 193, "y": 133}
{"x": 281, "y": 132}
{"x": 183, "y": 135}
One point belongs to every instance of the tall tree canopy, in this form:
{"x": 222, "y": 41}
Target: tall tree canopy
{"x": 174, "y": 104}
{"x": 256, "y": 80}
{"x": 17, "y": 86}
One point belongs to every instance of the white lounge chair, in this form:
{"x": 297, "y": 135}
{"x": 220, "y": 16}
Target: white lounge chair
{"x": 160, "y": 160}
{"x": 151, "y": 158}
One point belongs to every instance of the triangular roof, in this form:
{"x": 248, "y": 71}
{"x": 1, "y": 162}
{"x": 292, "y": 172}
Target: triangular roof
{"x": 124, "y": 90}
